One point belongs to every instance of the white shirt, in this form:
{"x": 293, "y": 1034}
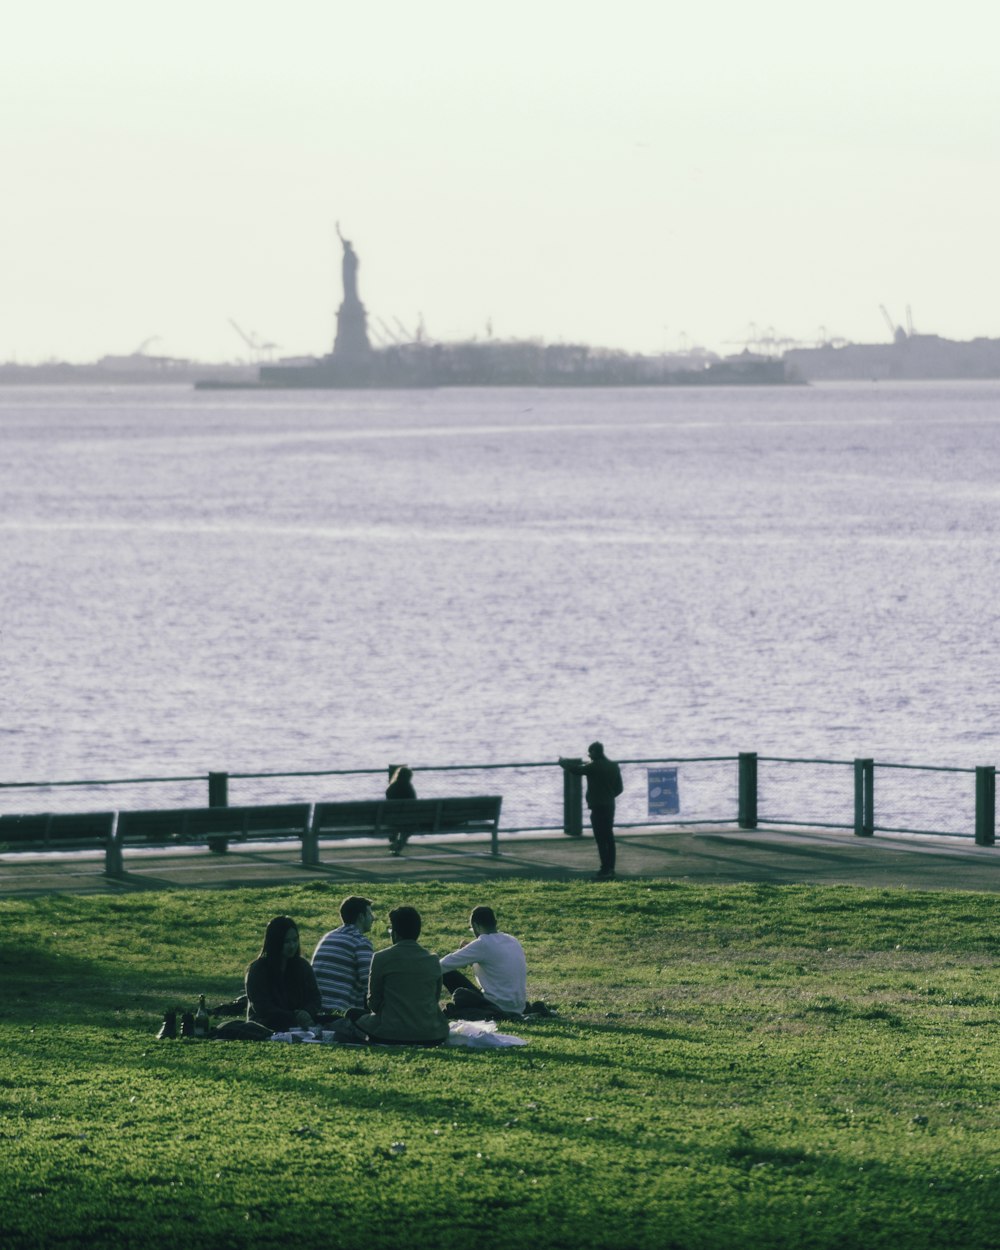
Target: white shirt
{"x": 500, "y": 967}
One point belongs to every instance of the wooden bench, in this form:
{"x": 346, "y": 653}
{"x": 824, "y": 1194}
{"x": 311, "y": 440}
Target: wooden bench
{"x": 368, "y": 818}
{"x": 216, "y": 826}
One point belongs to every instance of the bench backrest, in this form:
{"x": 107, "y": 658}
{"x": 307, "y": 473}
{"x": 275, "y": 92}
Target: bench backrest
{"x": 350, "y": 818}
{"x": 482, "y": 811}
{"x": 378, "y": 816}
{"x": 57, "y": 830}
{"x": 194, "y": 824}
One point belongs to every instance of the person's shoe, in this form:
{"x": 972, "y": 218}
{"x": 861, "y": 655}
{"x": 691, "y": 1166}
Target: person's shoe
{"x": 604, "y": 876}
{"x": 168, "y": 1029}
{"x": 187, "y": 1024}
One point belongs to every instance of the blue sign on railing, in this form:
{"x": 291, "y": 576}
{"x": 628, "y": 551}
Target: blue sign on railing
{"x": 664, "y": 797}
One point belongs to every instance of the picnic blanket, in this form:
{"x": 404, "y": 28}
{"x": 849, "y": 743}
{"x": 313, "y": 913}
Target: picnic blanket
{"x": 475, "y": 1035}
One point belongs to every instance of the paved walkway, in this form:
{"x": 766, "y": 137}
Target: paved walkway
{"x": 704, "y": 854}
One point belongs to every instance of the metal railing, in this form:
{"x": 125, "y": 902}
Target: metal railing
{"x": 745, "y": 790}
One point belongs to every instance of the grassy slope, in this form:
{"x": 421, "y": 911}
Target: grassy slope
{"x": 732, "y": 1066}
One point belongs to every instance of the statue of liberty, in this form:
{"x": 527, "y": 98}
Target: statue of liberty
{"x": 352, "y": 327}
{"x": 349, "y": 269}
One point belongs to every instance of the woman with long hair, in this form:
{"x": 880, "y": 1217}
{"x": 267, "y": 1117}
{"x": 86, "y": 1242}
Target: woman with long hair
{"x": 281, "y": 989}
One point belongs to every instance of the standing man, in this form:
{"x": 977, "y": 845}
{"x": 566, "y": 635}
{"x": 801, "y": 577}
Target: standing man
{"x": 498, "y": 961}
{"x": 604, "y": 784}
{"x": 342, "y": 958}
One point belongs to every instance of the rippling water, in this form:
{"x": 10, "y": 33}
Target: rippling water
{"x": 285, "y": 581}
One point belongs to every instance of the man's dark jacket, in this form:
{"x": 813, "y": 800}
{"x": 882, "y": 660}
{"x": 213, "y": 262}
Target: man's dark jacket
{"x": 604, "y": 782}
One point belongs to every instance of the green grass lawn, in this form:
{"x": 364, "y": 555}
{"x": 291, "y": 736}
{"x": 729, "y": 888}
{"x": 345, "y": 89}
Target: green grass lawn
{"x": 736, "y": 1066}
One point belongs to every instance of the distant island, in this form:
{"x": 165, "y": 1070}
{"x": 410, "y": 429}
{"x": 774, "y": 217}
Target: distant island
{"x": 132, "y": 370}
{"x": 417, "y": 362}
{"x": 355, "y": 363}
{"x": 909, "y": 357}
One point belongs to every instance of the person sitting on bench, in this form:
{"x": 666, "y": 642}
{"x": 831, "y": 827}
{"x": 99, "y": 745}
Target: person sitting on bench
{"x": 400, "y": 787}
{"x": 499, "y": 965}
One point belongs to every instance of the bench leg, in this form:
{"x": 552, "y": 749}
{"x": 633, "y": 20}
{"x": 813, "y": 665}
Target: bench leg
{"x": 310, "y": 849}
{"x": 113, "y": 865}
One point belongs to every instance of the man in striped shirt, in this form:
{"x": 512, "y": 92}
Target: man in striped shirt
{"x": 343, "y": 957}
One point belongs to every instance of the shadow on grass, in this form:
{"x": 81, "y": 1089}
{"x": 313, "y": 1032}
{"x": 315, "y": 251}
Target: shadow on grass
{"x": 365, "y": 1086}
{"x": 58, "y": 987}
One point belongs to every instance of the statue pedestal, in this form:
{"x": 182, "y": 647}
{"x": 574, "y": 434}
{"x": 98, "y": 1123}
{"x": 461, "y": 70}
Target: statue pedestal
{"x": 351, "y": 342}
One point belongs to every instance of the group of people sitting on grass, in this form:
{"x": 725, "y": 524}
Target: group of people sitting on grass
{"x": 391, "y": 996}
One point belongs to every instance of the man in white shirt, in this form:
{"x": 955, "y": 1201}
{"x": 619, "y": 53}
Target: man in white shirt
{"x": 498, "y": 961}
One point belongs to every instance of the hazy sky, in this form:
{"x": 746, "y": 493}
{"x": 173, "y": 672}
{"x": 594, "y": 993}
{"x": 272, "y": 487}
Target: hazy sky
{"x": 621, "y": 173}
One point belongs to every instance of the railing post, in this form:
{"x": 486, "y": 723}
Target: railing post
{"x": 218, "y": 789}
{"x": 218, "y": 796}
{"x": 986, "y": 805}
{"x": 747, "y": 813}
{"x": 572, "y": 801}
{"x": 864, "y": 798}
{"x": 114, "y": 866}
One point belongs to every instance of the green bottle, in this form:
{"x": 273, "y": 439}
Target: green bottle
{"x": 201, "y": 1024}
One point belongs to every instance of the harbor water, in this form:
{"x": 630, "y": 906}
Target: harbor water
{"x": 295, "y": 580}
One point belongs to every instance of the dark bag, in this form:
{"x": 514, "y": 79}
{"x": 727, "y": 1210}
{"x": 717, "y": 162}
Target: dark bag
{"x": 241, "y": 1031}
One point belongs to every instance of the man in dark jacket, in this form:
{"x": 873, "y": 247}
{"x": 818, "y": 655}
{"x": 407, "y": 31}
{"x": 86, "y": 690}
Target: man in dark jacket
{"x": 404, "y": 989}
{"x": 604, "y": 784}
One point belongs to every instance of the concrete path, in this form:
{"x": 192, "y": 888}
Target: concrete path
{"x": 705, "y": 854}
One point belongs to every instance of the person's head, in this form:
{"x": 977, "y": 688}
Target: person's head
{"x": 281, "y": 939}
{"x": 483, "y": 920}
{"x": 404, "y": 924}
{"x": 402, "y": 773}
{"x": 357, "y": 911}
{"x": 596, "y": 750}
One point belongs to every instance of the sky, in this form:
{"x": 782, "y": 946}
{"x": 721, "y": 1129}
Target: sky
{"x": 642, "y": 175}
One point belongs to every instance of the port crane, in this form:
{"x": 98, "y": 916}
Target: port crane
{"x": 252, "y": 341}
{"x": 898, "y": 333}
{"x": 388, "y": 333}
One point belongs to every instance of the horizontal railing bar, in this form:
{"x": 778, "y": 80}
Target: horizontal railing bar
{"x": 116, "y": 781}
{"x": 804, "y": 824}
{"x": 528, "y": 828}
{"x": 656, "y": 824}
{"x": 358, "y": 772}
{"x": 937, "y": 833}
{"x": 926, "y": 768}
{"x": 685, "y": 759}
{"x": 465, "y": 768}
{"x": 428, "y": 768}
{"x": 306, "y": 772}
{"x": 790, "y": 759}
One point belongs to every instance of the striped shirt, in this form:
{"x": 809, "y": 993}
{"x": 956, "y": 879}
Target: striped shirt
{"x": 341, "y": 961}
